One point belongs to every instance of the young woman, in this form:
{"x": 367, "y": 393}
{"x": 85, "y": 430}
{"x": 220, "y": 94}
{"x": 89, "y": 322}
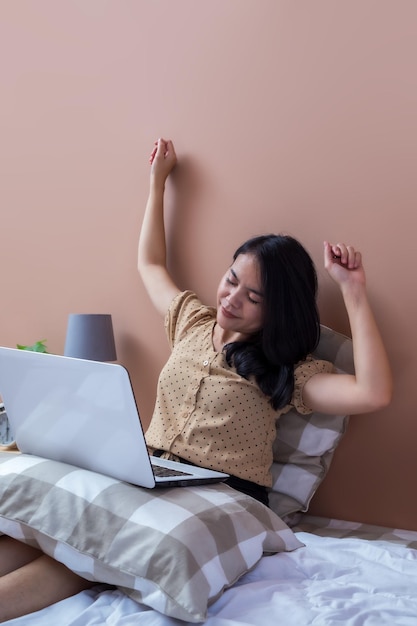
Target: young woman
{"x": 233, "y": 371}
{"x": 235, "y": 368}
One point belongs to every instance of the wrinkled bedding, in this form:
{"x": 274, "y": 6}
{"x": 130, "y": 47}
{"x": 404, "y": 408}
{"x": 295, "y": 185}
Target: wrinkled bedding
{"x": 346, "y": 574}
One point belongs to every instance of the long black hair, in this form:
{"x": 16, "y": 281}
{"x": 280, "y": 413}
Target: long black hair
{"x": 291, "y": 325}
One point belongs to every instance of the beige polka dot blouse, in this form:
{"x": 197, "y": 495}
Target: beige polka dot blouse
{"x": 205, "y": 412}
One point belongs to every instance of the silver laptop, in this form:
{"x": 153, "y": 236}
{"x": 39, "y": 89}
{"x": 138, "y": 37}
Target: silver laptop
{"x": 84, "y": 413}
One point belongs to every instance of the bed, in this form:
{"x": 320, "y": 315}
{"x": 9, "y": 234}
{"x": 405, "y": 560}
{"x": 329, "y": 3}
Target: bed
{"x": 210, "y": 554}
{"x": 346, "y": 574}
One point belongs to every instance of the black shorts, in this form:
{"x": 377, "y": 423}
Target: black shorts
{"x": 250, "y": 489}
{"x": 258, "y": 492}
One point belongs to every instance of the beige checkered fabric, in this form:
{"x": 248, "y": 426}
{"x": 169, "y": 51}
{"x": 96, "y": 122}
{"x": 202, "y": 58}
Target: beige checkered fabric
{"x": 341, "y": 529}
{"x": 305, "y": 444}
{"x": 174, "y": 550}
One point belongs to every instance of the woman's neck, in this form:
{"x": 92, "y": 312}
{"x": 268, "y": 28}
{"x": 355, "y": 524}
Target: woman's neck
{"x": 221, "y": 337}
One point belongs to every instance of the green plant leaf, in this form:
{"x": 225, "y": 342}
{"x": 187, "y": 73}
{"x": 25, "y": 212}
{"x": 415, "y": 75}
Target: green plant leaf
{"x": 38, "y": 346}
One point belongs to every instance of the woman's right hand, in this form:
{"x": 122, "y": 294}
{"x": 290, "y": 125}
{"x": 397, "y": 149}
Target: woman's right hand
{"x": 162, "y": 159}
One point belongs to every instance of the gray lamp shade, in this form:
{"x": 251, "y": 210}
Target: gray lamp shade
{"x": 90, "y": 336}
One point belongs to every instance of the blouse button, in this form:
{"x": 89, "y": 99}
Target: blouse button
{"x": 205, "y": 363}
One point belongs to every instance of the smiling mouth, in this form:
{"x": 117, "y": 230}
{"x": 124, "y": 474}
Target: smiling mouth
{"x": 227, "y": 313}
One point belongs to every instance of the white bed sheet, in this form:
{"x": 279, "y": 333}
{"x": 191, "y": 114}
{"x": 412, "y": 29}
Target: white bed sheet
{"x": 331, "y": 581}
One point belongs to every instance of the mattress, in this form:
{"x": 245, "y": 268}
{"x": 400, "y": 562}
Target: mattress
{"x": 346, "y": 573}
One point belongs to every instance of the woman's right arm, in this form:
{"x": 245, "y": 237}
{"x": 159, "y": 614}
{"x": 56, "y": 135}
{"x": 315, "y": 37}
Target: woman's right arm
{"x": 152, "y": 245}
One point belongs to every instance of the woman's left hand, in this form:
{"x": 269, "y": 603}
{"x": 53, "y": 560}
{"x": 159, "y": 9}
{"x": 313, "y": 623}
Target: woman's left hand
{"x": 343, "y": 263}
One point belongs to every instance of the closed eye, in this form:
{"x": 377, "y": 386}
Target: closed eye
{"x": 233, "y": 280}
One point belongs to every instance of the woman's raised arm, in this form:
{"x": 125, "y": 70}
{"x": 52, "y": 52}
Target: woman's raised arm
{"x": 152, "y": 245}
{"x": 371, "y": 386}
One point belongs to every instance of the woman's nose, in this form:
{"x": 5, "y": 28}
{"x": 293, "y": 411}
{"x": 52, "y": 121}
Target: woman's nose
{"x": 233, "y": 298}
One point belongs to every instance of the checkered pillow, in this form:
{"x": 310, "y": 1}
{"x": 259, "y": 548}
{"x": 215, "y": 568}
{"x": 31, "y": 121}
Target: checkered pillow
{"x": 305, "y": 444}
{"x": 174, "y": 550}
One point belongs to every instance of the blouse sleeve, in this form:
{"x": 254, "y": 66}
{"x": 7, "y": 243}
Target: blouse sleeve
{"x": 302, "y": 373}
{"x": 185, "y": 312}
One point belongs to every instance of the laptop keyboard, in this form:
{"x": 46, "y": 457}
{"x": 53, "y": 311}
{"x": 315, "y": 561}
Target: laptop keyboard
{"x": 163, "y": 472}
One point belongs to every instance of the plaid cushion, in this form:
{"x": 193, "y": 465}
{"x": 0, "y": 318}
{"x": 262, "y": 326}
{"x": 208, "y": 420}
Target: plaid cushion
{"x": 305, "y": 444}
{"x": 342, "y": 529}
{"x": 174, "y": 550}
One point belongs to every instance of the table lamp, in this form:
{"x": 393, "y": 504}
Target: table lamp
{"x": 90, "y": 336}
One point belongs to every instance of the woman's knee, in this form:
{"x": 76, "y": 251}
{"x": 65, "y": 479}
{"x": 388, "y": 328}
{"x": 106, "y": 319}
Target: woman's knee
{"x": 15, "y": 554}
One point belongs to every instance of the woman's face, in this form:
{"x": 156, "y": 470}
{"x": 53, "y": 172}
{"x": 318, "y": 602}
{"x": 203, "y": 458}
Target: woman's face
{"x": 239, "y": 297}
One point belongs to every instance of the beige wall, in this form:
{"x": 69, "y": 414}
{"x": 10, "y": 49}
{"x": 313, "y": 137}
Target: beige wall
{"x": 293, "y": 116}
